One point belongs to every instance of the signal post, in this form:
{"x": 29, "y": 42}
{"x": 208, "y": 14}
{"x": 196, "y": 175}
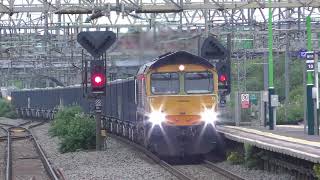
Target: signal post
{"x": 96, "y": 43}
{"x": 312, "y": 120}
{"x": 98, "y": 89}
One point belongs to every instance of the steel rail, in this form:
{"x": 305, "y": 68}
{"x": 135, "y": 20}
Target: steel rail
{"x": 165, "y": 165}
{"x": 49, "y": 169}
{"x": 11, "y": 125}
{"x": 5, "y": 124}
{"x": 36, "y": 125}
{"x": 44, "y": 159}
{"x": 222, "y": 171}
{"x": 25, "y": 123}
{"x": 7, "y": 176}
{"x": 8, "y": 155}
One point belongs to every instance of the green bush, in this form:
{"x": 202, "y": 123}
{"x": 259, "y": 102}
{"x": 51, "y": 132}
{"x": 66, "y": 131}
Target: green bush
{"x": 316, "y": 169}
{"x": 80, "y": 135}
{"x": 6, "y": 109}
{"x": 59, "y": 126}
{"x": 235, "y": 158}
{"x": 250, "y": 158}
{"x": 248, "y": 151}
{"x": 75, "y": 130}
{"x": 294, "y": 113}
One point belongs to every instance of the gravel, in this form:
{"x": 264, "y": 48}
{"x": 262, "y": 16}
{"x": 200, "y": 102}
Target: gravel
{"x": 26, "y": 163}
{"x": 118, "y": 161}
{"x": 200, "y": 172}
{"x": 254, "y": 174}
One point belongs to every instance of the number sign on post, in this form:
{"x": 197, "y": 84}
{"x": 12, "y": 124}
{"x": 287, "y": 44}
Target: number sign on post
{"x": 310, "y": 60}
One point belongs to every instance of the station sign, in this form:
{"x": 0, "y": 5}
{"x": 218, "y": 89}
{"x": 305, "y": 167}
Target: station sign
{"x": 245, "y": 101}
{"x": 310, "y": 61}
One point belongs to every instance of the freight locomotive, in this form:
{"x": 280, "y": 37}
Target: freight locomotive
{"x": 170, "y": 106}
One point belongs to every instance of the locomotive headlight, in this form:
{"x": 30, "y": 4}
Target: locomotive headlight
{"x": 209, "y": 116}
{"x": 181, "y": 67}
{"x": 9, "y": 98}
{"x": 157, "y": 117}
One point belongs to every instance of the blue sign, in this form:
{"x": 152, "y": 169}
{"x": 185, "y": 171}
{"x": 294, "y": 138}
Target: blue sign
{"x": 302, "y": 53}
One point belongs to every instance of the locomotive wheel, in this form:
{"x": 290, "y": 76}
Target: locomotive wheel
{"x": 152, "y": 148}
{"x": 141, "y": 136}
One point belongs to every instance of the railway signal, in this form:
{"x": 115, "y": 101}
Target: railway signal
{"x": 96, "y": 43}
{"x": 216, "y": 53}
{"x": 98, "y": 77}
{"x": 224, "y": 80}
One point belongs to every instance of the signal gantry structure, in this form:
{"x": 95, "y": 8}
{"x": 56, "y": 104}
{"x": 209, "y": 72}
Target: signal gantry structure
{"x": 38, "y": 37}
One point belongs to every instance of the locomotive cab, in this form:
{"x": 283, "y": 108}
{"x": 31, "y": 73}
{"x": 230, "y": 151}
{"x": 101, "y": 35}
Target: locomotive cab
{"x": 182, "y": 98}
{"x": 180, "y": 104}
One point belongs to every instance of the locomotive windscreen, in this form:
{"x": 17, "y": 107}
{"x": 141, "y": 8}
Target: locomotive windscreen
{"x": 198, "y": 82}
{"x": 165, "y": 83}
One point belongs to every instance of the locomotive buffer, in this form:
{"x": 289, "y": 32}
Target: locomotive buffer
{"x": 96, "y": 43}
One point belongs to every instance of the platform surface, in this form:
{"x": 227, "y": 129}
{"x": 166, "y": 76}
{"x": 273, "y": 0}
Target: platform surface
{"x": 287, "y": 139}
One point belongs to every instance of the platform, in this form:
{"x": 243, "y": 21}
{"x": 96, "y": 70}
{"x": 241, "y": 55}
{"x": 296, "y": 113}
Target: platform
{"x": 285, "y": 139}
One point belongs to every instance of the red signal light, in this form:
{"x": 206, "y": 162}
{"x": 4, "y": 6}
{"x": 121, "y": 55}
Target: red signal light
{"x": 98, "y": 80}
{"x": 222, "y": 78}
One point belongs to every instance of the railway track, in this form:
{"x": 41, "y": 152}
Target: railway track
{"x": 28, "y": 124}
{"x": 20, "y": 136}
{"x": 175, "y": 171}
{"x": 24, "y": 158}
{"x": 3, "y": 145}
{"x": 207, "y": 170}
{"x": 222, "y": 171}
{"x": 180, "y": 171}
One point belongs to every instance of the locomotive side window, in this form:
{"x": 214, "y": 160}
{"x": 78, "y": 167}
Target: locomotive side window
{"x": 165, "y": 83}
{"x": 198, "y": 82}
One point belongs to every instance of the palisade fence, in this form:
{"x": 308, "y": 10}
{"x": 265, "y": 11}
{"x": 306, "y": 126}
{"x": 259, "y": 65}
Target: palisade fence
{"x": 248, "y": 108}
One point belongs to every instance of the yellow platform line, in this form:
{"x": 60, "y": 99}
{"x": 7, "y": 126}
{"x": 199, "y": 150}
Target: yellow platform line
{"x": 276, "y": 136}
